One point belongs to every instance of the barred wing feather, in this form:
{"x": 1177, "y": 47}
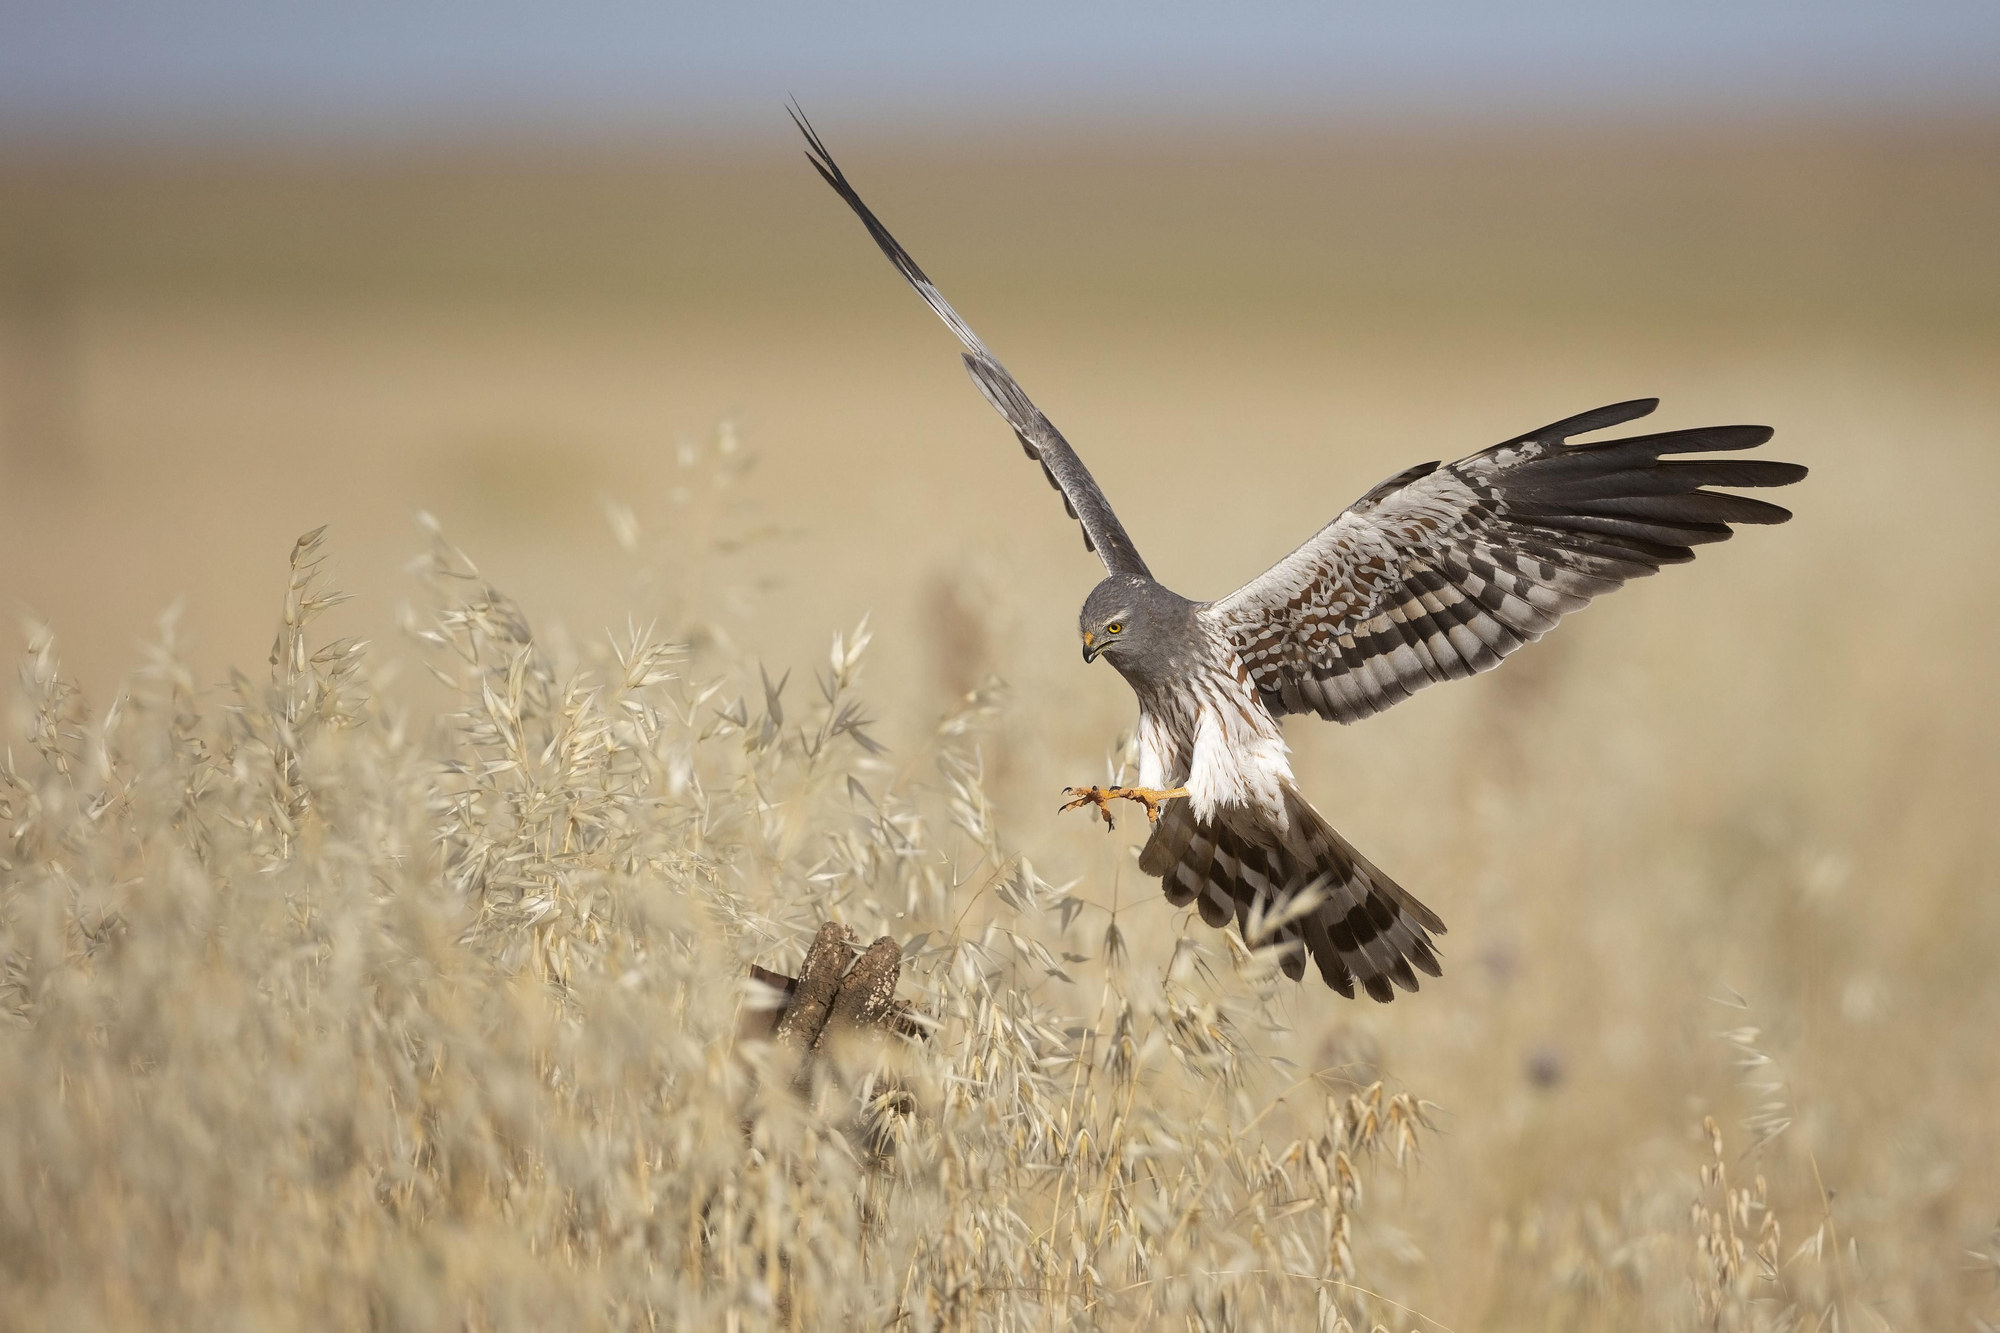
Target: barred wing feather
{"x": 1102, "y": 532}
{"x": 1440, "y": 572}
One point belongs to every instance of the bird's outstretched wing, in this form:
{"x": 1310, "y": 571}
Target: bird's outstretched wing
{"x": 1440, "y": 572}
{"x": 1102, "y": 532}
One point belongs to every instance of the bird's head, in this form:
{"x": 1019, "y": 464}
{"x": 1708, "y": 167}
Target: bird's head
{"x": 1128, "y": 619}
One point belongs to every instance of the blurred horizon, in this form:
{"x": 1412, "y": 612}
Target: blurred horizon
{"x": 503, "y": 340}
{"x": 450, "y": 71}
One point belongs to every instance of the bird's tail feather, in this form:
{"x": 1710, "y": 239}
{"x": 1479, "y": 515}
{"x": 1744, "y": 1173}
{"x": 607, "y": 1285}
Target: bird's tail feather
{"x": 1363, "y": 927}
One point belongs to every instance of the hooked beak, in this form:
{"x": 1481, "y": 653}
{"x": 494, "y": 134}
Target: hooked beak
{"x": 1090, "y": 648}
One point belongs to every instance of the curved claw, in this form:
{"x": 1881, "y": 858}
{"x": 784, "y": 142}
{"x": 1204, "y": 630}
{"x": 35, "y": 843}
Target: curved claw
{"x": 1098, "y": 796}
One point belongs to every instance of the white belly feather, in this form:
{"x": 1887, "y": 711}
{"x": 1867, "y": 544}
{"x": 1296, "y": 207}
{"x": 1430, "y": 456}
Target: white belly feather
{"x": 1229, "y": 753}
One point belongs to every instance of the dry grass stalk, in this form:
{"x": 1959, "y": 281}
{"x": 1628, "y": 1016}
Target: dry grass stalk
{"x": 315, "y": 1021}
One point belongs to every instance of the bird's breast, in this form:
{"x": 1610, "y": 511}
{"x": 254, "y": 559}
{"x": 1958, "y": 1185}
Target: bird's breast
{"x": 1212, "y": 735}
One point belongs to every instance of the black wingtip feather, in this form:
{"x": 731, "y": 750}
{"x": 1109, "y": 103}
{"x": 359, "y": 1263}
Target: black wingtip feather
{"x": 1694, "y": 507}
{"x": 821, "y": 157}
{"x": 1694, "y": 440}
{"x": 1674, "y": 477}
{"x": 1598, "y": 418}
{"x": 816, "y": 152}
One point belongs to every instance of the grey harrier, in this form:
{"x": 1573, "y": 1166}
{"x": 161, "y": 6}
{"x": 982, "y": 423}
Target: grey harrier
{"x": 1435, "y": 574}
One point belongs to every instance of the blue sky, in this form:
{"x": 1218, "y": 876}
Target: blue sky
{"x": 377, "y": 67}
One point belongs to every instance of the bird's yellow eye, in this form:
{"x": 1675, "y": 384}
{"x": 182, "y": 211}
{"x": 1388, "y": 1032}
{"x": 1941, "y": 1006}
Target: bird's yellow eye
{"x": 1113, "y": 628}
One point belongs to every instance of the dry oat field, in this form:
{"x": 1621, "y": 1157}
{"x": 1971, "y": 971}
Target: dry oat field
{"x": 373, "y": 963}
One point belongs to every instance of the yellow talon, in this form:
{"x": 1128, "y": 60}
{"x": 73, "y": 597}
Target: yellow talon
{"x": 1101, "y": 797}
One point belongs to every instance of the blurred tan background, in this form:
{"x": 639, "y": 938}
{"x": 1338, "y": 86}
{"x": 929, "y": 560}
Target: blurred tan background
{"x": 209, "y": 353}
{"x": 1766, "y": 777}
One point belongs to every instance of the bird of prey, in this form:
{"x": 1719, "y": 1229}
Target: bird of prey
{"x": 1437, "y": 573}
